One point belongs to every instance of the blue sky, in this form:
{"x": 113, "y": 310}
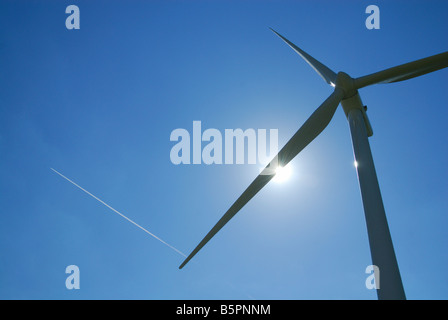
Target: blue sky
{"x": 98, "y": 104}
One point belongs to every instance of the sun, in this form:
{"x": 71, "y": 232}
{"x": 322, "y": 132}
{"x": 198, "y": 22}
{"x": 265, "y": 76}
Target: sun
{"x": 282, "y": 174}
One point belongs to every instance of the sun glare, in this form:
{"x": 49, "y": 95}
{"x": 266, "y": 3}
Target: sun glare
{"x": 282, "y": 174}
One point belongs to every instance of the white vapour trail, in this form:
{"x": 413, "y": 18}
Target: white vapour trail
{"x": 116, "y": 211}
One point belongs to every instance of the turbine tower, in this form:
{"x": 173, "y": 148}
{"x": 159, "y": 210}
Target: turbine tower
{"x": 346, "y": 93}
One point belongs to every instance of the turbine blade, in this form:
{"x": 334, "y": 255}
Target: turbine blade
{"x": 326, "y": 73}
{"x": 312, "y": 127}
{"x": 405, "y": 71}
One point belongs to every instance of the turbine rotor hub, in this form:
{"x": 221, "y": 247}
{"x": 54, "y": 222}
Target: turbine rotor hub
{"x": 345, "y": 82}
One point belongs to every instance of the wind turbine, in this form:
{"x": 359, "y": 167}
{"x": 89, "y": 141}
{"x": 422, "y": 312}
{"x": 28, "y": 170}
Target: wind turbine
{"x": 346, "y": 93}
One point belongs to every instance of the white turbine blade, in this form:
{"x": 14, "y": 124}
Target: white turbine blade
{"x": 405, "y": 71}
{"x": 312, "y": 127}
{"x": 326, "y": 73}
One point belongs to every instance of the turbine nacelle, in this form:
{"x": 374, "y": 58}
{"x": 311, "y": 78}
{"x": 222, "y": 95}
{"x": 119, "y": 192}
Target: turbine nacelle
{"x": 352, "y": 99}
{"x": 346, "y": 83}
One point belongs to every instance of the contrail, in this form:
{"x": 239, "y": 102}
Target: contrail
{"x": 116, "y": 211}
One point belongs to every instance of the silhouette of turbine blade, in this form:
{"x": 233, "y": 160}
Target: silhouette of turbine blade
{"x": 326, "y": 73}
{"x": 312, "y": 127}
{"x": 405, "y": 71}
